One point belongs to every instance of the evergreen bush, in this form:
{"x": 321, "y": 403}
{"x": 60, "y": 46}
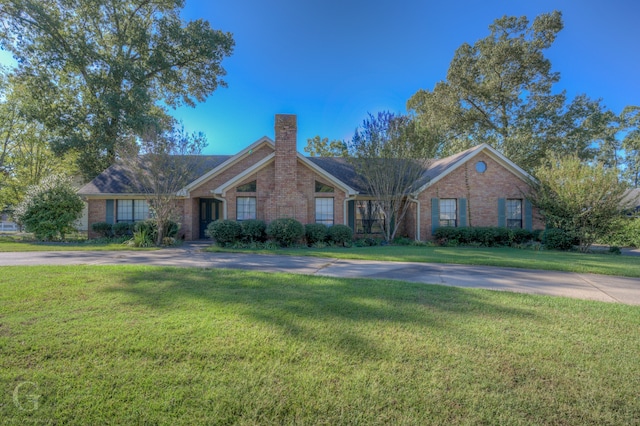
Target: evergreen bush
{"x": 340, "y": 234}
{"x": 285, "y": 231}
{"x": 224, "y": 231}
{"x": 315, "y": 233}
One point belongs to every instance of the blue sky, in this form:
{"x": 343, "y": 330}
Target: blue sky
{"x": 332, "y": 61}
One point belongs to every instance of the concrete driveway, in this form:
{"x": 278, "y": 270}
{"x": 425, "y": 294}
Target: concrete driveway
{"x": 582, "y": 286}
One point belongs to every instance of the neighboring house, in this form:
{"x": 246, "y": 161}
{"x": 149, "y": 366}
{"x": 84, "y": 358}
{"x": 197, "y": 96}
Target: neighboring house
{"x": 269, "y": 180}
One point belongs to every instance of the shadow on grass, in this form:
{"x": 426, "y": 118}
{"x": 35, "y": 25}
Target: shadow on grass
{"x": 345, "y": 314}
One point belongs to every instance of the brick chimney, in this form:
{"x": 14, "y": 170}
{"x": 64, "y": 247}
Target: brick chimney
{"x": 286, "y": 129}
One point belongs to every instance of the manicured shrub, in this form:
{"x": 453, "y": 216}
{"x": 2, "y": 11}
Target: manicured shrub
{"x": 401, "y": 241}
{"x": 315, "y": 233}
{"x": 122, "y": 228}
{"x": 340, "y": 234}
{"x": 486, "y": 236}
{"x": 625, "y": 234}
{"x": 285, "y": 231}
{"x": 557, "y": 239}
{"x": 520, "y": 236}
{"x": 253, "y": 230}
{"x": 103, "y": 229}
{"x": 49, "y": 208}
{"x": 224, "y": 231}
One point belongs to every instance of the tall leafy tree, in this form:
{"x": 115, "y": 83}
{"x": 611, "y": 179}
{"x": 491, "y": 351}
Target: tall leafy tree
{"x": 581, "y": 198}
{"x": 390, "y": 155}
{"x": 162, "y": 163}
{"x": 499, "y": 91}
{"x": 321, "y": 147}
{"x": 630, "y": 119}
{"x": 104, "y": 71}
{"x": 25, "y": 154}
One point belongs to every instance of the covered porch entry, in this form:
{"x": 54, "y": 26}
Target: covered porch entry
{"x": 210, "y": 210}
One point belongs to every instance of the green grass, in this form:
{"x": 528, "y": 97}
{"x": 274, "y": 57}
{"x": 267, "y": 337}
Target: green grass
{"x": 606, "y": 264}
{"x": 132, "y": 345}
{"x": 13, "y": 244}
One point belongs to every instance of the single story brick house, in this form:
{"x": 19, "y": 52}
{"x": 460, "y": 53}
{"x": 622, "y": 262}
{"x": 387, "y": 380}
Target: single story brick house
{"x": 271, "y": 179}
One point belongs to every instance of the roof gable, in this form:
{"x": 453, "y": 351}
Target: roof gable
{"x": 444, "y": 166}
{"x": 228, "y": 163}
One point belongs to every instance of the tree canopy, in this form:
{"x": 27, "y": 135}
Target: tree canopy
{"x": 582, "y": 199}
{"x": 499, "y": 91}
{"x": 103, "y": 72}
{"x": 321, "y": 147}
{"x": 391, "y": 156}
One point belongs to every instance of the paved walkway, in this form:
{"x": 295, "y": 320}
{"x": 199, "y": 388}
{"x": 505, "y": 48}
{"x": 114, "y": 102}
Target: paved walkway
{"x": 582, "y": 286}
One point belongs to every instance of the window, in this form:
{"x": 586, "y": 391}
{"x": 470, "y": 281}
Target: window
{"x": 321, "y": 187}
{"x": 369, "y": 217}
{"x": 514, "y": 213}
{"x": 131, "y": 210}
{"x": 481, "y": 167}
{"x": 245, "y": 208}
{"x": 247, "y": 187}
{"x": 324, "y": 211}
{"x": 448, "y": 212}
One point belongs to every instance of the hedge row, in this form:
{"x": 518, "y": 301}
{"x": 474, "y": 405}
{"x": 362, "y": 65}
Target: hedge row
{"x": 552, "y": 239}
{"x": 285, "y": 232}
{"x": 120, "y": 229}
{"x": 484, "y": 236}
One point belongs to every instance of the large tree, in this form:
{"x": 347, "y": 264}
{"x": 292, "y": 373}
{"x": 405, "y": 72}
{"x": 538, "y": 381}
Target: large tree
{"x": 104, "y": 71}
{"x": 321, "y": 147}
{"x": 390, "y": 155}
{"x": 161, "y": 163}
{"x": 630, "y": 119}
{"x": 583, "y": 199}
{"x": 499, "y": 91}
{"x": 25, "y": 154}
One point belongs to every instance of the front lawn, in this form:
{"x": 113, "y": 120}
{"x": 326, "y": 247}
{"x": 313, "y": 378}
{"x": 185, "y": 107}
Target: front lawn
{"x": 606, "y": 264}
{"x": 132, "y": 345}
{"x": 18, "y": 244}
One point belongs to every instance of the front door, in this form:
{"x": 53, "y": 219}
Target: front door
{"x": 209, "y": 212}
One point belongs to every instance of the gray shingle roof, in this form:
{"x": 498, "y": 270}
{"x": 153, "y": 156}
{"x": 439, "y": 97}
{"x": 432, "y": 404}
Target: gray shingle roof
{"x": 117, "y": 179}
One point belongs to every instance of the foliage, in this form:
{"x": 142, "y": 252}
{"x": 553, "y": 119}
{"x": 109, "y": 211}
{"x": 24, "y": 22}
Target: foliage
{"x": 626, "y": 233}
{"x": 285, "y": 231}
{"x": 391, "y": 156}
{"x": 50, "y": 208}
{"x": 558, "y": 239}
{"x": 161, "y": 164}
{"x": 122, "y": 228}
{"x": 630, "y": 119}
{"x": 318, "y": 147}
{"x": 582, "y": 199}
{"x": 103, "y": 229}
{"x": 25, "y": 155}
{"x": 315, "y": 232}
{"x": 149, "y": 229}
{"x": 482, "y": 236}
{"x": 340, "y": 234}
{"x": 499, "y": 91}
{"x": 253, "y": 230}
{"x": 367, "y": 242}
{"x": 101, "y": 72}
{"x": 224, "y": 231}
{"x": 142, "y": 237}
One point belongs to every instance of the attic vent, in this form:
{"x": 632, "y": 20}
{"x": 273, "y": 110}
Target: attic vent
{"x": 321, "y": 187}
{"x": 481, "y": 167}
{"x": 247, "y": 187}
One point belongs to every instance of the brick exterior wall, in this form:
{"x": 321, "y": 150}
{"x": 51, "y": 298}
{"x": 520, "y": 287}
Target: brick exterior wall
{"x": 97, "y": 212}
{"x": 482, "y": 191}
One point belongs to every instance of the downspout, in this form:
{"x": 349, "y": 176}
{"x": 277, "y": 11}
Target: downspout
{"x": 224, "y": 204}
{"x": 415, "y": 200}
